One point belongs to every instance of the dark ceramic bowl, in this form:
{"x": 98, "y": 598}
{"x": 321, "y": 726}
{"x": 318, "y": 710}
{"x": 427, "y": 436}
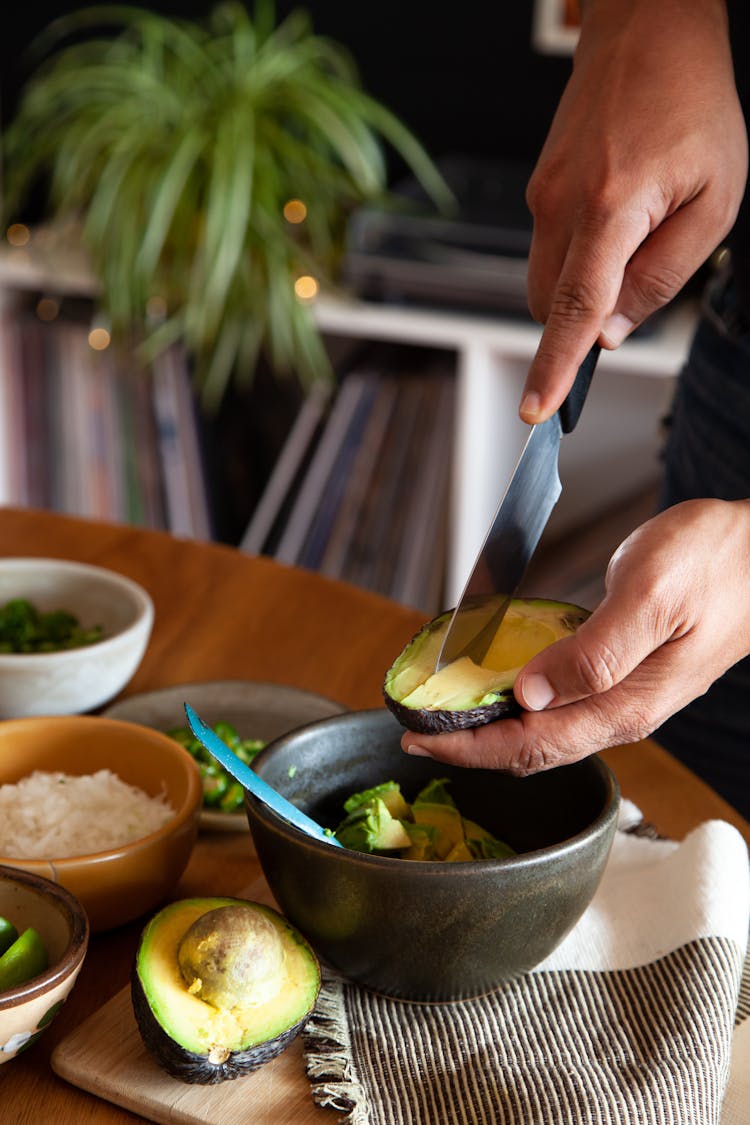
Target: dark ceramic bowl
{"x": 428, "y": 930}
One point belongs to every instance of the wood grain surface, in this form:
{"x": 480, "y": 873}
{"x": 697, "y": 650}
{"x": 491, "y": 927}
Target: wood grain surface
{"x": 224, "y": 615}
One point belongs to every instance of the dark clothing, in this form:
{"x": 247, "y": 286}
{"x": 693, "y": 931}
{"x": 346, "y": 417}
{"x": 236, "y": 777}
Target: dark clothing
{"x": 739, "y": 239}
{"x": 708, "y": 454}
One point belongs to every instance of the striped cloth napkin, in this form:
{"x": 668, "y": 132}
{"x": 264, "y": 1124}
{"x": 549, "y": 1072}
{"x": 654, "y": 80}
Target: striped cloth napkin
{"x": 637, "y": 1018}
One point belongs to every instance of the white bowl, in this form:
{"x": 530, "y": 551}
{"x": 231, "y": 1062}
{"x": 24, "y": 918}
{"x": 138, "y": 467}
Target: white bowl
{"x": 80, "y": 679}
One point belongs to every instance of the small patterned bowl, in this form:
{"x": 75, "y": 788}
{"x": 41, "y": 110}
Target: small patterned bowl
{"x": 27, "y": 1009}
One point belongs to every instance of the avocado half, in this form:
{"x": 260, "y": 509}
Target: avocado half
{"x": 261, "y": 975}
{"x": 465, "y": 694}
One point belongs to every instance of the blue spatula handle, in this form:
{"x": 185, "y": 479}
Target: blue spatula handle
{"x": 249, "y": 779}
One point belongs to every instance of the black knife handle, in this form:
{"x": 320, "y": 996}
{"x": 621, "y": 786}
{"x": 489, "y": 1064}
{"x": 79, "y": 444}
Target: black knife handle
{"x": 570, "y": 411}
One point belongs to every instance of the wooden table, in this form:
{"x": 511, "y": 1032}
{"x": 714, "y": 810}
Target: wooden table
{"x": 224, "y": 615}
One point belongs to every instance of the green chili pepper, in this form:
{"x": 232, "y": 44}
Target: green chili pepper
{"x": 220, "y": 790}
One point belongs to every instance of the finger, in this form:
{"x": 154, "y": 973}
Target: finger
{"x": 549, "y": 245}
{"x": 534, "y": 742}
{"x": 544, "y": 740}
{"x": 584, "y": 296}
{"x": 660, "y": 268}
{"x": 603, "y": 652}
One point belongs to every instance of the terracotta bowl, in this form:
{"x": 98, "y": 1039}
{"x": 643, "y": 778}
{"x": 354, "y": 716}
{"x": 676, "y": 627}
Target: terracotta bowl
{"x": 121, "y": 884}
{"x": 29, "y": 1008}
{"x": 428, "y": 930}
{"x": 79, "y": 679}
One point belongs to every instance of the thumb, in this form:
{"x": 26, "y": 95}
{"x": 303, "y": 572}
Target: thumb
{"x": 602, "y": 652}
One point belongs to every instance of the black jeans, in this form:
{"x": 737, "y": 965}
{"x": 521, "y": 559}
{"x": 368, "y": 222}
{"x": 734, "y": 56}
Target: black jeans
{"x": 707, "y": 454}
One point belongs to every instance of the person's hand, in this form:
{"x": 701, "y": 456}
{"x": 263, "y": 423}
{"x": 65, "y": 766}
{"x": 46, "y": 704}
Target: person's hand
{"x": 676, "y": 616}
{"x": 639, "y": 180}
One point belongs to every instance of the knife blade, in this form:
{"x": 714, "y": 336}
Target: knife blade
{"x": 515, "y": 530}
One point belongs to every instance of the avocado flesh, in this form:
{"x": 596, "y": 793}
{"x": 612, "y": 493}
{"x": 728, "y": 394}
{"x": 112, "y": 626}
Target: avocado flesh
{"x": 197, "y": 1041}
{"x": 447, "y": 825}
{"x": 432, "y": 828}
{"x": 389, "y": 792}
{"x": 370, "y": 827}
{"x": 465, "y": 693}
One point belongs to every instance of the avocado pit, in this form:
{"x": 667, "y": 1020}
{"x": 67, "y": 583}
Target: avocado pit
{"x": 232, "y": 957}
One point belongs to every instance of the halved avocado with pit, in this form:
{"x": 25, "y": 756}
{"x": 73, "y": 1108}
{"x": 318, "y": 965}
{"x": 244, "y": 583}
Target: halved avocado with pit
{"x": 221, "y": 986}
{"x": 465, "y": 694}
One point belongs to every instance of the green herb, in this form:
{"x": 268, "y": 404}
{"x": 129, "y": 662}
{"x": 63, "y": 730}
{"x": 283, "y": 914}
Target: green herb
{"x": 220, "y": 790}
{"x": 24, "y": 629}
{"x": 178, "y": 144}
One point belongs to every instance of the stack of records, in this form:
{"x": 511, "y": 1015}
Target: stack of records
{"x": 472, "y": 260}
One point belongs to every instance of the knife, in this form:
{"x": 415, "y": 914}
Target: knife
{"x": 516, "y": 528}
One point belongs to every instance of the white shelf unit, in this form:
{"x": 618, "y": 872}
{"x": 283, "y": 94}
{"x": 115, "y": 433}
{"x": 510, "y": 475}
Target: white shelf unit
{"x": 613, "y": 452}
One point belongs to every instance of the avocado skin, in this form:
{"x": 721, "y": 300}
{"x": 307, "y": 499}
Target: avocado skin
{"x": 423, "y": 721}
{"x": 187, "y": 1066}
{"x": 199, "y": 1069}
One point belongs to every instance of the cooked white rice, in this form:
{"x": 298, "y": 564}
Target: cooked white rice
{"x": 51, "y": 815}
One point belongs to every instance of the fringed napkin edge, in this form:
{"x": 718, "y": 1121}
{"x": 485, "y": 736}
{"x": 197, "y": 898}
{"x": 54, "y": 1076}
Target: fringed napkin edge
{"x": 328, "y": 1057}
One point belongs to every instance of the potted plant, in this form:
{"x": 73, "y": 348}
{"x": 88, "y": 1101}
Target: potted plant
{"x": 208, "y": 165}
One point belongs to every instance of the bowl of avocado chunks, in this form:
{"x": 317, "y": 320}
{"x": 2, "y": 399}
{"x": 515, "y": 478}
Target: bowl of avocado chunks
{"x": 450, "y": 880}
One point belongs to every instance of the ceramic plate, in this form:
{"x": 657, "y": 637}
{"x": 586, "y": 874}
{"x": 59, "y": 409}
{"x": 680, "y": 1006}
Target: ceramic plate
{"x": 257, "y": 710}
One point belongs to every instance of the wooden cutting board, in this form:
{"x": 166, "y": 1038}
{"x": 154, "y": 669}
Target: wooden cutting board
{"x": 105, "y": 1056}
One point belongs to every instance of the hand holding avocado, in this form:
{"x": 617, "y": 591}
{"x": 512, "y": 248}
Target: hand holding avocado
{"x": 660, "y": 637}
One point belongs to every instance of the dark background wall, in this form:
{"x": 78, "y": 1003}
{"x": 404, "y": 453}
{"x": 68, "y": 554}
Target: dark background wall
{"x": 468, "y": 81}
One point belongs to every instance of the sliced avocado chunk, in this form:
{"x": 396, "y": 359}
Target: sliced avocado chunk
{"x": 371, "y": 828}
{"x": 24, "y": 959}
{"x": 422, "y": 846}
{"x": 447, "y": 824}
{"x": 435, "y": 792}
{"x": 8, "y": 934}
{"x": 389, "y": 793}
{"x": 459, "y": 853}
{"x": 466, "y": 694}
{"x": 482, "y": 844}
{"x": 220, "y": 986}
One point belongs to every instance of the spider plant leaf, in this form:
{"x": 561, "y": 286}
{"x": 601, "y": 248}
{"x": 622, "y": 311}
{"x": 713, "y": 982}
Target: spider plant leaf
{"x": 165, "y": 202}
{"x": 179, "y": 142}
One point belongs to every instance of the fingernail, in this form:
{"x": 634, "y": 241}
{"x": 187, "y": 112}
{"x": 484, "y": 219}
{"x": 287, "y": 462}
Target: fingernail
{"x": 536, "y": 692}
{"x": 616, "y": 328}
{"x": 529, "y": 408}
{"x": 418, "y": 752}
